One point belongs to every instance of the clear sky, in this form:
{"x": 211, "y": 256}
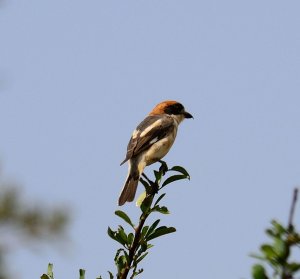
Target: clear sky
{"x": 76, "y": 77}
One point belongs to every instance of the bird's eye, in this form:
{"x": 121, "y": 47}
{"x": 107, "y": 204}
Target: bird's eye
{"x": 175, "y": 109}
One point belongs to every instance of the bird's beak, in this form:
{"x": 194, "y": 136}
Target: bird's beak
{"x": 187, "y": 115}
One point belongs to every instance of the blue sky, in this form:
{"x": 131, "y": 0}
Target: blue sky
{"x": 77, "y": 77}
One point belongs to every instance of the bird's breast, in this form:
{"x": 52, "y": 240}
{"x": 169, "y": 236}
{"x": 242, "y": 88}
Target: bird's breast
{"x": 159, "y": 149}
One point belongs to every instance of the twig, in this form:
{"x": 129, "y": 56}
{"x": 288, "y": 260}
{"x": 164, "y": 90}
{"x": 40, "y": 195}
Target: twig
{"x": 292, "y": 210}
{"x": 136, "y": 242}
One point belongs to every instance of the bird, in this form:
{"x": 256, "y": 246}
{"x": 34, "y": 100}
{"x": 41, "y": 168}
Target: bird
{"x": 150, "y": 142}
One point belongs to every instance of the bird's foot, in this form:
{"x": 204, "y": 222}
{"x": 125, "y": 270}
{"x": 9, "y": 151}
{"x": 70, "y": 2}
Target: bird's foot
{"x": 164, "y": 167}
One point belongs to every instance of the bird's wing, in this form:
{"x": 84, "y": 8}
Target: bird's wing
{"x": 152, "y": 129}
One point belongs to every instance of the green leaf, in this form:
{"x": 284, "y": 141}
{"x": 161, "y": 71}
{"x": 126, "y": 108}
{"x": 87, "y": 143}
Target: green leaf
{"x": 268, "y": 251}
{"x": 121, "y": 263}
{"x": 117, "y": 254}
{"x": 160, "y": 198}
{"x": 135, "y": 273}
{"x": 162, "y": 209}
{"x": 146, "y": 204}
{"x": 158, "y": 176}
{"x": 116, "y": 236}
{"x": 126, "y": 255}
{"x": 81, "y": 273}
{"x": 122, "y": 235}
{"x": 294, "y": 267}
{"x": 293, "y": 239}
{"x": 152, "y": 228}
{"x": 111, "y": 233}
{"x": 111, "y": 276}
{"x": 281, "y": 249}
{"x": 145, "y": 183}
{"x": 144, "y": 230}
{"x": 271, "y": 233}
{"x": 49, "y": 274}
{"x": 125, "y": 217}
{"x": 130, "y": 238}
{"x": 278, "y": 227}
{"x": 259, "y": 272}
{"x": 50, "y": 270}
{"x": 144, "y": 247}
{"x": 140, "y": 199}
{"x": 161, "y": 231}
{"x": 173, "y": 178}
{"x": 181, "y": 170}
{"x": 149, "y": 246}
{"x": 141, "y": 258}
{"x": 258, "y": 257}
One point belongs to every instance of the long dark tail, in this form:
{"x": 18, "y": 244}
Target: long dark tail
{"x": 129, "y": 189}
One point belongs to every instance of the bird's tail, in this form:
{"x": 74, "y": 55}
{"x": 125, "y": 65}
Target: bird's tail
{"x": 129, "y": 189}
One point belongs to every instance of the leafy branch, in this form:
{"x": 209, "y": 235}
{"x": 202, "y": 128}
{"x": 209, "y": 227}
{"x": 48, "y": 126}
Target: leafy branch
{"x": 278, "y": 253}
{"x": 136, "y": 243}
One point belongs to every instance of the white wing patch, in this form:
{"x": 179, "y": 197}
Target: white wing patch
{"x": 148, "y": 129}
{"x": 135, "y": 133}
{"x": 154, "y": 140}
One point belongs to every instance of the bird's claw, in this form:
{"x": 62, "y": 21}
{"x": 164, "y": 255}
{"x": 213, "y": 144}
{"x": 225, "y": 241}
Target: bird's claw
{"x": 164, "y": 167}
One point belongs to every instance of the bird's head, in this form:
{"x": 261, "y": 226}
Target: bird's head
{"x": 173, "y": 108}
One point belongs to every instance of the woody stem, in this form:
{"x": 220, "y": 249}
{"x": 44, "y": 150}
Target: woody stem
{"x": 136, "y": 243}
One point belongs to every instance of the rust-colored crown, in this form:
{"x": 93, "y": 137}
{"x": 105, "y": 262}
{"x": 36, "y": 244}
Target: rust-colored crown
{"x": 160, "y": 108}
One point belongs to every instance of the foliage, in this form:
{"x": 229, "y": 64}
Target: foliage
{"x": 49, "y": 274}
{"x": 135, "y": 244}
{"x": 31, "y": 221}
{"x": 21, "y": 220}
{"x": 277, "y": 254}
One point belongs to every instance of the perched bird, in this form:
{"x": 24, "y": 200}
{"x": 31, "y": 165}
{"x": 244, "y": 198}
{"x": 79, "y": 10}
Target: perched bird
{"x": 150, "y": 142}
